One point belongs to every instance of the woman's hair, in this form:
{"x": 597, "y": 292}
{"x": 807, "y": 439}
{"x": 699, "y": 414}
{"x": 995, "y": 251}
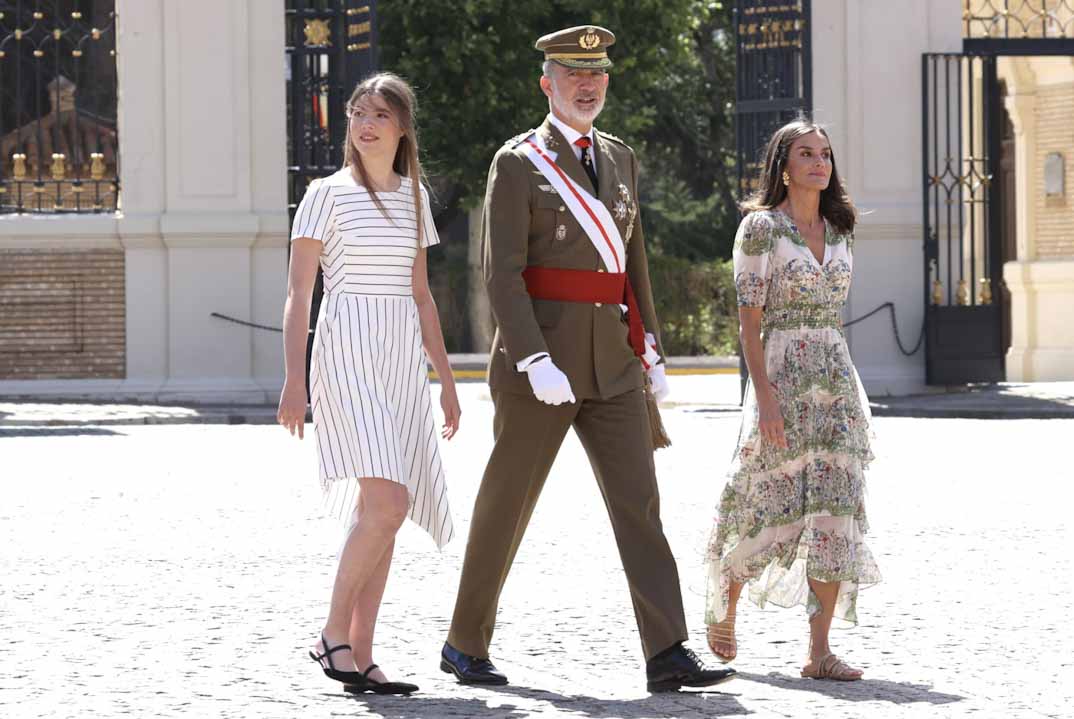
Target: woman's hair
{"x": 835, "y": 204}
{"x": 399, "y": 97}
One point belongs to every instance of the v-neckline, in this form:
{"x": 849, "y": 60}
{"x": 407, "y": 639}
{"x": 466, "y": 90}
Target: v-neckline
{"x": 824, "y": 238}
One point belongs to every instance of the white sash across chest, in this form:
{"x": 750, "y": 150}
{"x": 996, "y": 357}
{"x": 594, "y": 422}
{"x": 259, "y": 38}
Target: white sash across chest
{"x": 592, "y": 215}
{"x": 590, "y": 212}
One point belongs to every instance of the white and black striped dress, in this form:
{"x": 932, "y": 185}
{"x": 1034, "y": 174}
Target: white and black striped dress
{"x": 369, "y": 382}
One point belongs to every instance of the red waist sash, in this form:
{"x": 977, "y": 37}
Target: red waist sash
{"x": 549, "y": 283}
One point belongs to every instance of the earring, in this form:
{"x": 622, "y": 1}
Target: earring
{"x": 786, "y": 178}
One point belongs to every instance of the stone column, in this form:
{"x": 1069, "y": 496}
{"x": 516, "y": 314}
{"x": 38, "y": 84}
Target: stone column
{"x": 203, "y": 142}
{"x": 1021, "y": 104}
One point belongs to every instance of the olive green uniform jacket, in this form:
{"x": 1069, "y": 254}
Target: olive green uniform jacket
{"x": 525, "y": 222}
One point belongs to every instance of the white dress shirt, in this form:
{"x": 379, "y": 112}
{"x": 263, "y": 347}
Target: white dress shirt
{"x": 572, "y": 136}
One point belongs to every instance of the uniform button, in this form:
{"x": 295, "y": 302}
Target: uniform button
{"x": 562, "y": 208}
{"x": 597, "y": 304}
{"x": 600, "y": 269}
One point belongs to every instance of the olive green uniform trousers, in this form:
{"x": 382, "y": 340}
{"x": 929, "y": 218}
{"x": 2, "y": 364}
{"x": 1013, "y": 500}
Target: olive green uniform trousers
{"x": 528, "y": 434}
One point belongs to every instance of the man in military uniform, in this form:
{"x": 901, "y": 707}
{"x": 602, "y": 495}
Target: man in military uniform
{"x": 568, "y": 283}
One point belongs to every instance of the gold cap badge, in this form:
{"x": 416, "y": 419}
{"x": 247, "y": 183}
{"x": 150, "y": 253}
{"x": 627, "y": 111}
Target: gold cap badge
{"x": 584, "y": 47}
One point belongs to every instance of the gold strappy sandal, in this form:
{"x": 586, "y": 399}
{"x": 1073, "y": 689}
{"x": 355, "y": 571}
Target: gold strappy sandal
{"x": 723, "y": 635}
{"x": 834, "y": 668}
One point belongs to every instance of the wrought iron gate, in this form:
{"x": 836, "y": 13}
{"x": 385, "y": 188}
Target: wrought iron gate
{"x": 773, "y": 62}
{"x": 774, "y": 84}
{"x": 962, "y": 215}
{"x": 331, "y": 45}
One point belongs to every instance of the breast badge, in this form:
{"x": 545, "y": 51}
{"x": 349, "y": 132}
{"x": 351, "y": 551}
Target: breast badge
{"x": 626, "y": 209}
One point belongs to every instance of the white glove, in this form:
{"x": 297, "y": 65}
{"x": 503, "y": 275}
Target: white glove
{"x": 549, "y": 383}
{"x": 658, "y": 377}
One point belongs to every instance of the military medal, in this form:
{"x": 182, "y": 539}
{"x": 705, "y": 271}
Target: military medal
{"x": 625, "y": 208}
{"x": 561, "y": 232}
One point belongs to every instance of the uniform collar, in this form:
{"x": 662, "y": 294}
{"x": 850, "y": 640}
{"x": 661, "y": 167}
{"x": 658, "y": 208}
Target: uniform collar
{"x": 569, "y": 133}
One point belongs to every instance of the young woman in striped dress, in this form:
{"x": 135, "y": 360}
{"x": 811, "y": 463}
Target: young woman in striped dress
{"x": 367, "y": 227}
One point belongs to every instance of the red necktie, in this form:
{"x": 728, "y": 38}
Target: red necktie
{"x": 587, "y": 161}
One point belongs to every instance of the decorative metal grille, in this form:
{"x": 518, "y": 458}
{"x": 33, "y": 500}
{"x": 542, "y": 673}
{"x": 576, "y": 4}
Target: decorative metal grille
{"x": 331, "y": 45}
{"x": 957, "y": 155}
{"x": 963, "y": 238}
{"x": 58, "y": 106}
{"x": 774, "y": 75}
{"x": 1018, "y": 19}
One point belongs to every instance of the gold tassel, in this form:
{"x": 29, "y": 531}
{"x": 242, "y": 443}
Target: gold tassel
{"x": 656, "y": 426}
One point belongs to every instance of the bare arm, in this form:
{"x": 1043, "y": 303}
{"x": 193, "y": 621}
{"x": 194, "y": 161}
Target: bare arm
{"x": 770, "y": 417}
{"x": 305, "y": 255}
{"x": 432, "y": 339}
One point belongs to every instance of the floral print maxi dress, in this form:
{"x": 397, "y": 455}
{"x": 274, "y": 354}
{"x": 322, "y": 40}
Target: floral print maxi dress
{"x": 791, "y": 514}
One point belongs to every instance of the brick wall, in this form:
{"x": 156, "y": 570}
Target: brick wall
{"x": 1055, "y": 133}
{"x": 62, "y": 314}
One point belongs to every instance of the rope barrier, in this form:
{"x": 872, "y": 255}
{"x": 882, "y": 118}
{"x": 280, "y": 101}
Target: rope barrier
{"x": 894, "y": 326}
{"x": 244, "y": 322}
{"x": 887, "y": 305}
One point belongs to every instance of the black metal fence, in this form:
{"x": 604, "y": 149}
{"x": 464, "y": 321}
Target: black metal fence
{"x": 774, "y": 75}
{"x": 331, "y": 45}
{"x": 963, "y": 239}
{"x": 58, "y": 106}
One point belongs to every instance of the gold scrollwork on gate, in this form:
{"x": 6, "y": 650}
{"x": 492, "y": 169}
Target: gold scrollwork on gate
{"x": 962, "y": 294}
{"x": 59, "y": 166}
{"x": 18, "y": 162}
{"x": 318, "y": 32}
{"x": 1018, "y": 19}
{"x": 772, "y": 33}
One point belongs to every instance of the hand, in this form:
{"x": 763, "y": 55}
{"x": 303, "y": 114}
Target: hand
{"x": 549, "y": 383}
{"x": 292, "y": 411}
{"x": 770, "y": 419}
{"x": 449, "y": 403}
{"x": 659, "y": 379}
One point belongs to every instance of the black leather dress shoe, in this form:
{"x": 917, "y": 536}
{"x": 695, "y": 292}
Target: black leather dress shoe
{"x": 468, "y": 669}
{"x": 679, "y": 667}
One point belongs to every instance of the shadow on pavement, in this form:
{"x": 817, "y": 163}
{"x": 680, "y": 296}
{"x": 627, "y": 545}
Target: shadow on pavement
{"x": 56, "y": 431}
{"x": 675, "y": 704}
{"x": 1007, "y": 400}
{"x": 865, "y": 690}
{"x": 422, "y": 707}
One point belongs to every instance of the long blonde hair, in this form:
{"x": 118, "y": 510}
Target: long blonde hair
{"x": 401, "y": 100}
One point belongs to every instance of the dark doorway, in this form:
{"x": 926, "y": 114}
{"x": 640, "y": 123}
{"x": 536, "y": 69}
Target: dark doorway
{"x": 1008, "y": 200}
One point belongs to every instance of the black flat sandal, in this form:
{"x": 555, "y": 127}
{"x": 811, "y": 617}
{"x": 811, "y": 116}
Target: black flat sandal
{"x": 330, "y": 671}
{"x": 372, "y": 685}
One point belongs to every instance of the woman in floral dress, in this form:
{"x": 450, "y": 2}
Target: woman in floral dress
{"x": 791, "y": 520}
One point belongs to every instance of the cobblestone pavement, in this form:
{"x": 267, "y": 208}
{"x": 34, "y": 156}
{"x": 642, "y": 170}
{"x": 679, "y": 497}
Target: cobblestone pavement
{"x": 183, "y": 570}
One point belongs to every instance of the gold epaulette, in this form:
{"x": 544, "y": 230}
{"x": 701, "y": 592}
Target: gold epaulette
{"x": 613, "y": 138}
{"x": 519, "y": 138}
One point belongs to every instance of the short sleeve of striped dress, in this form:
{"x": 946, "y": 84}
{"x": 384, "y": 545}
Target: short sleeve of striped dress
{"x": 315, "y": 216}
{"x": 428, "y": 227}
